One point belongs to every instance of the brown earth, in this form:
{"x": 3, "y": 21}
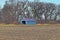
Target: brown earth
{"x": 30, "y": 33}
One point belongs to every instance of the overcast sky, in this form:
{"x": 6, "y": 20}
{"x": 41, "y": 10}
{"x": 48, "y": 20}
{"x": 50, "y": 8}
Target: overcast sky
{"x": 49, "y": 1}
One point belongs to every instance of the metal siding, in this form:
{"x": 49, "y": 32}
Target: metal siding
{"x": 31, "y": 22}
{"x": 28, "y": 21}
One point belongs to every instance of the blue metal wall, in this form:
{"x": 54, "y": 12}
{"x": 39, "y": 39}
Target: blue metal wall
{"x": 28, "y": 21}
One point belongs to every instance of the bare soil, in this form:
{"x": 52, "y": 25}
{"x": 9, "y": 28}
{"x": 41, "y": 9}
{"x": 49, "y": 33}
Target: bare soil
{"x": 30, "y": 33}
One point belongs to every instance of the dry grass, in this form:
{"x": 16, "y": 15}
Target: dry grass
{"x": 32, "y": 32}
{"x": 37, "y": 25}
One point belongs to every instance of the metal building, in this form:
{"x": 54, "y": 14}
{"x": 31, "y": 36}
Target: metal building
{"x": 28, "y": 21}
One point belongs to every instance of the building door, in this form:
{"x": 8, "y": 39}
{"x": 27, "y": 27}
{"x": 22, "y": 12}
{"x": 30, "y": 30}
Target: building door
{"x": 23, "y": 22}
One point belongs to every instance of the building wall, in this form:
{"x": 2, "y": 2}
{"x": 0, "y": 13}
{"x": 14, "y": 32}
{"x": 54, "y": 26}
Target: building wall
{"x": 28, "y": 21}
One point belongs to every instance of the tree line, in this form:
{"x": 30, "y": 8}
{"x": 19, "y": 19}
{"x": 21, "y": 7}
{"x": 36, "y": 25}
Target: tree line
{"x": 13, "y": 11}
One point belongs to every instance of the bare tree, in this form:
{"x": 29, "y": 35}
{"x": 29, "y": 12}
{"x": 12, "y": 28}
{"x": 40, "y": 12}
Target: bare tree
{"x": 14, "y": 10}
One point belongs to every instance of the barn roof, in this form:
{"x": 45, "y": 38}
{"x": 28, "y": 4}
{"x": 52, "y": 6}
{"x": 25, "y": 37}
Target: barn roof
{"x": 28, "y": 20}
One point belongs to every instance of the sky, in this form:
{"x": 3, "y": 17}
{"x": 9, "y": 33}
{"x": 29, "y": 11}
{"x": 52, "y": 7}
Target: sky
{"x": 2, "y": 2}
